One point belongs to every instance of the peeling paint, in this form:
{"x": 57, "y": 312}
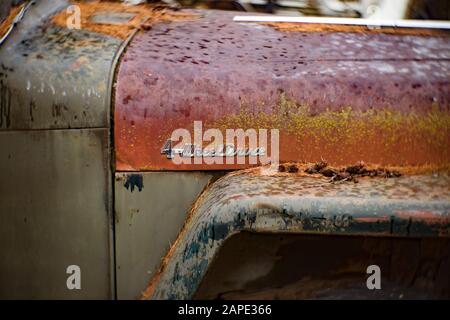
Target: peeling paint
{"x": 134, "y": 181}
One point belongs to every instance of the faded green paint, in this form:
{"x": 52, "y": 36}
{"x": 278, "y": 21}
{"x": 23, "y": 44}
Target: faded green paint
{"x": 148, "y": 221}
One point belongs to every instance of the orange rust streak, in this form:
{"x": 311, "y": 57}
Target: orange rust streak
{"x": 422, "y": 215}
{"x": 316, "y": 27}
{"x": 372, "y": 219}
{"x": 4, "y": 27}
{"x": 413, "y": 153}
{"x": 146, "y": 15}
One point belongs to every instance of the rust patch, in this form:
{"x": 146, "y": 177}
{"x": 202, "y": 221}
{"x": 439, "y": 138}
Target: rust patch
{"x": 426, "y": 216}
{"x": 379, "y": 98}
{"x": 318, "y": 27}
{"x": 352, "y": 172}
{"x": 4, "y": 27}
{"x": 349, "y": 173}
{"x": 145, "y": 16}
{"x": 384, "y": 136}
{"x": 372, "y": 219}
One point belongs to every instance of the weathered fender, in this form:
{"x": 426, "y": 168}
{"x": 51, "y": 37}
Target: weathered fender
{"x": 344, "y": 96}
{"x": 407, "y": 206}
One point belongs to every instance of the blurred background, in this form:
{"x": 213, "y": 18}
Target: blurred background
{"x": 382, "y": 9}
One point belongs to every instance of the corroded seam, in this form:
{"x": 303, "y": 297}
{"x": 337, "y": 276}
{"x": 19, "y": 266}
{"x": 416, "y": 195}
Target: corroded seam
{"x": 408, "y": 206}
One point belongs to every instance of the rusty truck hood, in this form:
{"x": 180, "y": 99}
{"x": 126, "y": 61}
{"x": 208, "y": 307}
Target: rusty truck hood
{"x": 341, "y": 94}
{"x": 338, "y": 95}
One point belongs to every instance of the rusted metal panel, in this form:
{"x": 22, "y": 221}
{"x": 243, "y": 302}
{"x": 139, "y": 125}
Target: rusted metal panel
{"x": 417, "y": 206}
{"x": 119, "y": 19}
{"x": 150, "y": 209}
{"x": 381, "y": 98}
{"x": 55, "y": 211}
{"x": 53, "y": 77}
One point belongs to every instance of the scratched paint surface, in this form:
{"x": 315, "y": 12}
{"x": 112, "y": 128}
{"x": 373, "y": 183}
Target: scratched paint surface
{"x": 414, "y": 206}
{"x": 213, "y": 69}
